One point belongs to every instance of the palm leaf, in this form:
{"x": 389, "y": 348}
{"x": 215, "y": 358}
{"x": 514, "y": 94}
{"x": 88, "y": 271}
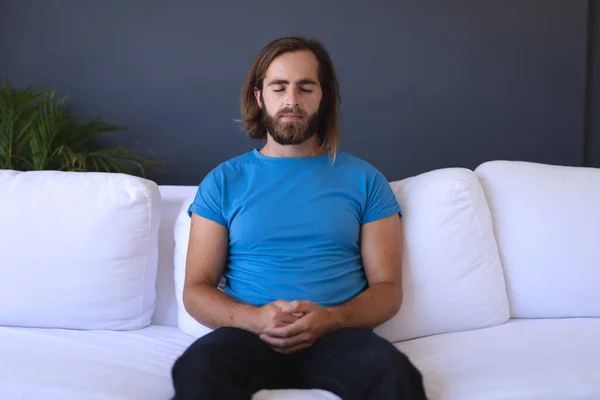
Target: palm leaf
{"x": 38, "y": 132}
{"x": 16, "y": 119}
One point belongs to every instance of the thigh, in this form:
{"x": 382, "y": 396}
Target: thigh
{"x": 237, "y": 355}
{"x": 350, "y": 362}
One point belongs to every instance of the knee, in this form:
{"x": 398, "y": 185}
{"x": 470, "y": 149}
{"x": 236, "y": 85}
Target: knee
{"x": 378, "y": 353}
{"x": 206, "y": 353}
{"x": 195, "y": 359}
{"x": 393, "y": 359}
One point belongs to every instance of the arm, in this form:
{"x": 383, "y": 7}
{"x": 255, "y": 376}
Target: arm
{"x": 206, "y": 257}
{"x": 381, "y": 249}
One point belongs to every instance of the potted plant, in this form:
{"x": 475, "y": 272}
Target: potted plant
{"x": 39, "y": 132}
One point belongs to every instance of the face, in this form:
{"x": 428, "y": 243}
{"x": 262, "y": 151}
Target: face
{"x": 291, "y": 97}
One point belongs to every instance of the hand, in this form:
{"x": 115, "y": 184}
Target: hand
{"x": 272, "y": 316}
{"x": 301, "y": 334}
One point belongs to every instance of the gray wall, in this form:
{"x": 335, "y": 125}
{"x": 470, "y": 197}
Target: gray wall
{"x": 425, "y": 84}
{"x": 593, "y": 103}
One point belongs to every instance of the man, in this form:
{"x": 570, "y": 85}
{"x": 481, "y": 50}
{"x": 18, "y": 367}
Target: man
{"x": 308, "y": 239}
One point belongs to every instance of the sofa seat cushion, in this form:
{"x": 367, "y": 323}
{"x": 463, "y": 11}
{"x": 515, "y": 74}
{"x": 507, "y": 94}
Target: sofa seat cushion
{"x": 556, "y": 359}
{"x": 69, "y": 364}
{"x": 100, "y": 365}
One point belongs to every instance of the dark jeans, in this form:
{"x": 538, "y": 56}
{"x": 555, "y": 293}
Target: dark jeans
{"x": 232, "y": 364}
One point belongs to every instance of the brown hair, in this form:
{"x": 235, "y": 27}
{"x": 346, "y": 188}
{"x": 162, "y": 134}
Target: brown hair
{"x": 328, "y": 131}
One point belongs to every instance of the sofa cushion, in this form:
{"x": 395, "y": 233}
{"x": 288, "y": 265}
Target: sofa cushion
{"x": 555, "y": 359}
{"x": 185, "y": 321}
{"x": 101, "y": 365}
{"x": 547, "y": 223}
{"x": 91, "y": 365}
{"x": 78, "y": 250}
{"x": 452, "y": 273}
{"x": 166, "y": 304}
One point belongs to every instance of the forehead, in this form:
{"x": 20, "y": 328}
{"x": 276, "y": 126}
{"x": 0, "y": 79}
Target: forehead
{"x": 294, "y": 65}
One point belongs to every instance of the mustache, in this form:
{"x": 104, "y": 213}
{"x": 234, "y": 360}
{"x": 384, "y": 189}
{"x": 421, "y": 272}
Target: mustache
{"x": 291, "y": 110}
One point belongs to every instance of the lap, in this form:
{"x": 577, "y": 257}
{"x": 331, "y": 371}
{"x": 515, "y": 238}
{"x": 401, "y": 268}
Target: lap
{"x": 232, "y": 352}
{"x": 354, "y": 346}
{"x": 351, "y": 359}
{"x": 346, "y": 362}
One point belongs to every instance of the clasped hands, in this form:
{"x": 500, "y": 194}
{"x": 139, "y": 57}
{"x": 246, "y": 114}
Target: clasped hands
{"x": 289, "y": 327}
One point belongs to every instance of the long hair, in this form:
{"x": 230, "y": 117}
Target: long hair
{"x": 328, "y": 131}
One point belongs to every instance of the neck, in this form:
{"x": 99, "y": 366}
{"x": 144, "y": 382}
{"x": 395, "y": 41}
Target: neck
{"x": 309, "y": 148}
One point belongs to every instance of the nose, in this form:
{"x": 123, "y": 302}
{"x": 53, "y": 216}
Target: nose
{"x": 292, "y": 99}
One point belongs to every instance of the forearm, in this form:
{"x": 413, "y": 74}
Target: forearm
{"x": 371, "y": 308}
{"x": 215, "y": 309}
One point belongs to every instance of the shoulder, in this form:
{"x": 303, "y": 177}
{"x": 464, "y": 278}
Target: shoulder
{"x": 229, "y": 170}
{"x": 358, "y": 166}
{"x": 370, "y": 180}
{"x": 379, "y": 198}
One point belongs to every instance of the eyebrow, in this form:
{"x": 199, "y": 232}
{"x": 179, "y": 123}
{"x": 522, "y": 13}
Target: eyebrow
{"x": 304, "y": 81}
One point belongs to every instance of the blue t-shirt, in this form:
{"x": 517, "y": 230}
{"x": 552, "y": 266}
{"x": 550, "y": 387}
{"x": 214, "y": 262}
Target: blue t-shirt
{"x": 294, "y": 224}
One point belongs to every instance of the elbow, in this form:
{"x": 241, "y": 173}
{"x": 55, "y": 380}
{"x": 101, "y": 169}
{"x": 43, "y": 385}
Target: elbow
{"x": 187, "y": 296}
{"x": 397, "y": 297}
{"x": 190, "y": 295}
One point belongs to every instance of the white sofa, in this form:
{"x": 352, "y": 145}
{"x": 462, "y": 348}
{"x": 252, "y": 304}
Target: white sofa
{"x": 501, "y": 281}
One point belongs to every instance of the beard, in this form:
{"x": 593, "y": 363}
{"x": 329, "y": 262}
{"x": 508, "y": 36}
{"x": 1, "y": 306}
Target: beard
{"x": 291, "y": 132}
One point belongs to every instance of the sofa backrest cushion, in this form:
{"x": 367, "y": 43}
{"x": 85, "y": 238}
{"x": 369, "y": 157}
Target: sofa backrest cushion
{"x": 166, "y": 305}
{"x": 185, "y": 321}
{"x": 547, "y": 222}
{"x": 452, "y": 275}
{"x": 77, "y": 250}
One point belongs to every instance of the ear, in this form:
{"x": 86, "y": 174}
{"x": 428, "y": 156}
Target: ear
{"x": 257, "y": 95}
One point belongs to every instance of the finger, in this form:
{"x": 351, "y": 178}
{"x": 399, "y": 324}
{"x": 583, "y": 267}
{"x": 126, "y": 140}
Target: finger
{"x": 281, "y": 303}
{"x": 293, "y": 329}
{"x": 284, "y": 343}
{"x": 299, "y": 306}
{"x": 282, "y": 319}
{"x": 291, "y": 307}
{"x": 294, "y": 349}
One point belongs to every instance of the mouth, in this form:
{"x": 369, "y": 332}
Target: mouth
{"x": 291, "y": 117}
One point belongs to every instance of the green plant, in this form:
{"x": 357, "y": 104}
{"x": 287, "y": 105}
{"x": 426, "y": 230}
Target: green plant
{"x": 38, "y": 132}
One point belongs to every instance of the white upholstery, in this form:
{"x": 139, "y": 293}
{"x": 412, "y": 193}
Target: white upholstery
{"x": 554, "y": 359}
{"x": 100, "y": 365}
{"x": 547, "y": 223}
{"x": 452, "y": 273}
{"x": 88, "y": 365}
{"x": 78, "y": 250}
{"x": 185, "y": 322}
{"x": 294, "y": 394}
{"x": 166, "y": 304}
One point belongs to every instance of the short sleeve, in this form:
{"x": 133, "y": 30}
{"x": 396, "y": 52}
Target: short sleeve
{"x": 208, "y": 200}
{"x": 381, "y": 201}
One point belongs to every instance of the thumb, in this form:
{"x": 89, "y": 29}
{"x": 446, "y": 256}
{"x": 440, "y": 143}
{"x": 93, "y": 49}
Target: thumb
{"x": 297, "y": 307}
{"x": 281, "y": 303}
